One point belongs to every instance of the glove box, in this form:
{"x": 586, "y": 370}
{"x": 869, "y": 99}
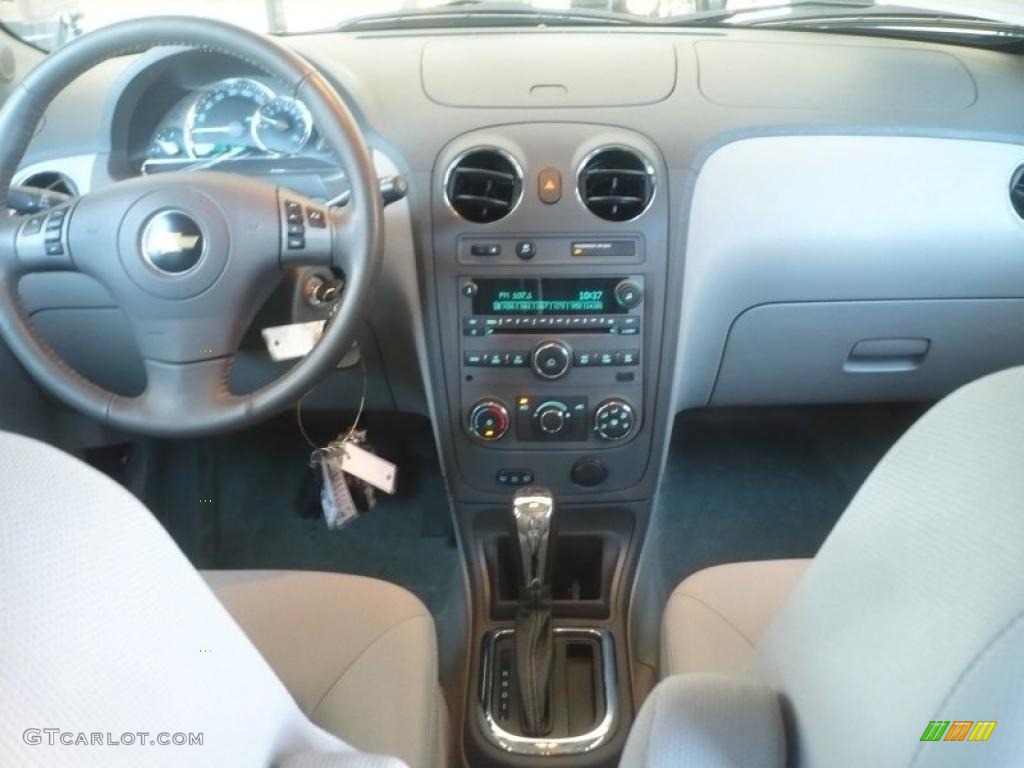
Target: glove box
{"x": 859, "y": 351}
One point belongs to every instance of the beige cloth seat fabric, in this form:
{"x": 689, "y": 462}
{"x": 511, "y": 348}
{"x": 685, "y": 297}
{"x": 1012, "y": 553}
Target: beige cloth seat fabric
{"x": 714, "y": 619}
{"x": 105, "y": 628}
{"x": 912, "y": 611}
{"x": 358, "y": 655}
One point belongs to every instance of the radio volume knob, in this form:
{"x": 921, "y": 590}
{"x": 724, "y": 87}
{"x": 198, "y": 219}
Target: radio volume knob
{"x": 552, "y": 360}
{"x": 629, "y": 294}
{"x": 488, "y": 420}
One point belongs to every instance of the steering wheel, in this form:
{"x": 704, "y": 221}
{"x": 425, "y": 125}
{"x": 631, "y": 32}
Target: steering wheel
{"x": 189, "y": 257}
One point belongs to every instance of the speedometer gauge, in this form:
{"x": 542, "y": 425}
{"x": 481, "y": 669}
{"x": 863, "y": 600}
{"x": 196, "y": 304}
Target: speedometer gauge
{"x": 282, "y": 126}
{"x": 221, "y": 119}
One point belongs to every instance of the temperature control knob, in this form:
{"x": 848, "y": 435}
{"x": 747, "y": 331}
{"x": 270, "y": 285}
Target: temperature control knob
{"x": 614, "y": 419}
{"x": 552, "y": 360}
{"x": 553, "y": 417}
{"x": 488, "y": 420}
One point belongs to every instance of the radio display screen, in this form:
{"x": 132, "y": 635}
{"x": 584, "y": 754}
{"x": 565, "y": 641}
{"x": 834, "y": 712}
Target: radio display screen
{"x": 547, "y": 296}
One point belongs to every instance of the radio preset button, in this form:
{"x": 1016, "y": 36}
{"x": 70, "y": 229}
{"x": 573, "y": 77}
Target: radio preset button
{"x": 552, "y": 360}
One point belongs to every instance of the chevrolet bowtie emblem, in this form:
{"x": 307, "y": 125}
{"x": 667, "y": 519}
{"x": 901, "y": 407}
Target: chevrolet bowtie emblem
{"x": 161, "y": 243}
{"x": 172, "y": 242}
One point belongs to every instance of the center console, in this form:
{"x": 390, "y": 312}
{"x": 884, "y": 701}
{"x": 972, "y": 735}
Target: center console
{"x": 553, "y": 360}
{"x": 549, "y": 272}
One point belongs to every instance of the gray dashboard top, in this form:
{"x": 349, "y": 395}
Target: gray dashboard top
{"x": 726, "y": 83}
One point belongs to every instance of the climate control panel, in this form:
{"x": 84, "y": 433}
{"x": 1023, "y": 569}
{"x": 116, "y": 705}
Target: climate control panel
{"x": 543, "y": 418}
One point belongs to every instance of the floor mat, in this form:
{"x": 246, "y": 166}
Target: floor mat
{"x": 752, "y": 484}
{"x": 250, "y": 500}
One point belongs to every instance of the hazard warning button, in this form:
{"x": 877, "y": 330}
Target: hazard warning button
{"x": 549, "y": 186}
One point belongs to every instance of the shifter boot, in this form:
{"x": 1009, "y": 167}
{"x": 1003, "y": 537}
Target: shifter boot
{"x": 534, "y": 642}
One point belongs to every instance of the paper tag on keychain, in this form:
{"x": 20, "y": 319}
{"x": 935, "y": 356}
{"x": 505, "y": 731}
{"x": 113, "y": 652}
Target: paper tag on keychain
{"x": 286, "y": 342}
{"x": 368, "y": 467}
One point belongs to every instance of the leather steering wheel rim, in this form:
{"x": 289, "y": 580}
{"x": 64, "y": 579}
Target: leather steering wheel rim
{"x": 238, "y": 219}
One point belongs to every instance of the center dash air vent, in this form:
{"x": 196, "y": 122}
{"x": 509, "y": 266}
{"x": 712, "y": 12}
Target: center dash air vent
{"x": 1017, "y": 191}
{"x": 51, "y": 181}
{"x": 483, "y": 185}
{"x": 616, "y": 184}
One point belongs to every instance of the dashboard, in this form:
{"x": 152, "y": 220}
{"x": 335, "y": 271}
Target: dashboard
{"x": 720, "y": 218}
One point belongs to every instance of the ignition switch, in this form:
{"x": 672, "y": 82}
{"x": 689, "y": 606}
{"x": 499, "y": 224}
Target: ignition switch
{"x": 320, "y": 291}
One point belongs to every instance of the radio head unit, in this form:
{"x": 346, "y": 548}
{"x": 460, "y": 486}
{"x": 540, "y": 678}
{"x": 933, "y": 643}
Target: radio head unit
{"x": 546, "y": 297}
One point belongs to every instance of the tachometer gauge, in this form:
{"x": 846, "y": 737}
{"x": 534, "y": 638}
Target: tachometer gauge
{"x": 221, "y": 119}
{"x": 167, "y": 143}
{"x": 282, "y": 126}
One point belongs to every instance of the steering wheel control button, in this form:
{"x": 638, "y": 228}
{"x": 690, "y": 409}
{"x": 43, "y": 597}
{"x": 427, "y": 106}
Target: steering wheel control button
{"x": 629, "y": 294}
{"x": 488, "y": 420}
{"x": 295, "y": 225}
{"x": 553, "y": 417}
{"x": 173, "y": 243}
{"x": 33, "y": 226}
{"x": 614, "y": 419}
{"x": 549, "y": 186}
{"x": 317, "y": 218}
{"x": 589, "y": 472}
{"x": 552, "y": 360}
{"x": 526, "y": 250}
{"x": 514, "y": 477}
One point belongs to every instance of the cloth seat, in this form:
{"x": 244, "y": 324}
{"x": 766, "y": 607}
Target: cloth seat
{"x": 109, "y": 636}
{"x": 714, "y": 618}
{"x": 912, "y": 613}
{"x": 358, "y": 655}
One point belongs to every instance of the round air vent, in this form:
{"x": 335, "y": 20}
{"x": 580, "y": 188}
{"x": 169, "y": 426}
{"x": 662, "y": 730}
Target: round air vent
{"x": 1017, "y": 191}
{"x": 484, "y": 185}
{"x": 616, "y": 183}
{"x": 51, "y": 181}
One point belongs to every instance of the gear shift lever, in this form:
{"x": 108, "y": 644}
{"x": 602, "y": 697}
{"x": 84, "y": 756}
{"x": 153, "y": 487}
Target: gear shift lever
{"x": 533, "y": 509}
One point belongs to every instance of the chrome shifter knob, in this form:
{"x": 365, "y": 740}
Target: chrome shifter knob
{"x": 533, "y": 508}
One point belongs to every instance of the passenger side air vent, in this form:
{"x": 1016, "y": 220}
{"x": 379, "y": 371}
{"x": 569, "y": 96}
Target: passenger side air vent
{"x": 484, "y": 185}
{"x": 616, "y": 184}
{"x": 1017, "y": 191}
{"x": 51, "y": 181}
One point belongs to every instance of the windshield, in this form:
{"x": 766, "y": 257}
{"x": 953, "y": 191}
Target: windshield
{"x": 49, "y": 23}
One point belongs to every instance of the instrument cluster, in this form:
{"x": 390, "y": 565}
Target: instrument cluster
{"x": 235, "y": 118}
